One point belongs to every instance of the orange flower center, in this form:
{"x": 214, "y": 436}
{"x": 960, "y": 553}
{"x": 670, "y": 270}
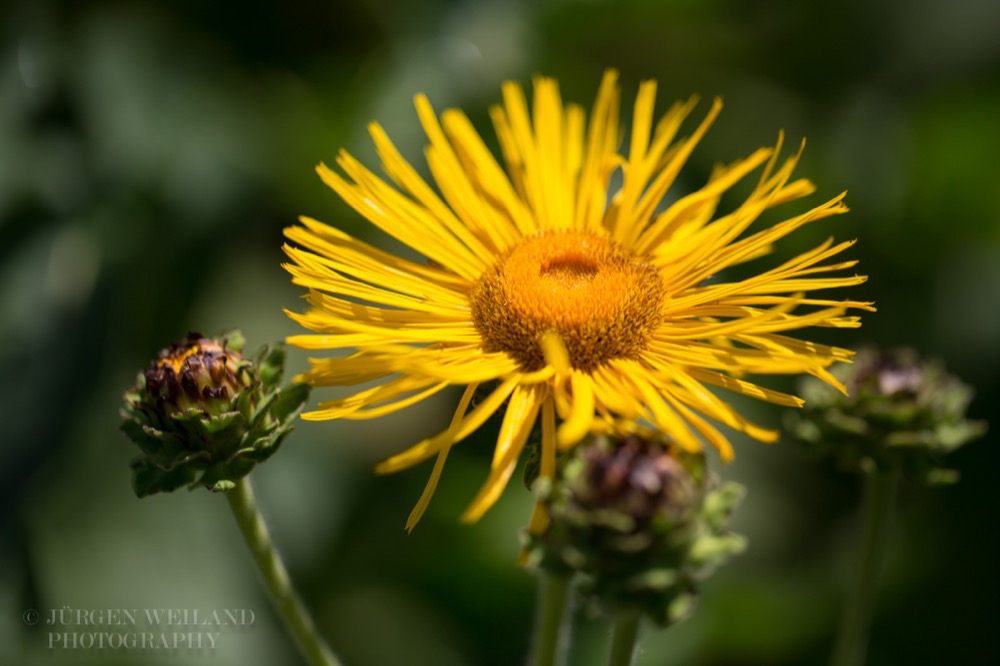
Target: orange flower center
{"x": 602, "y": 301}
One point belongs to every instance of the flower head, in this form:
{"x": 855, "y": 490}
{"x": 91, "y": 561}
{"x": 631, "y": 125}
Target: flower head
{"x": 589, "y": 305}
{"x": 900, "y": 409}
{"x": 643, "y": 522}
{"x": 205, "y": 415}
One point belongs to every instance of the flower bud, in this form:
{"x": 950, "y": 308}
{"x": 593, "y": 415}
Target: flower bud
{"x": 205, "y": 415}
{"x": 198, "y": 373}
{"x": 641, "y": 520}
{"x": 899, "y": 410}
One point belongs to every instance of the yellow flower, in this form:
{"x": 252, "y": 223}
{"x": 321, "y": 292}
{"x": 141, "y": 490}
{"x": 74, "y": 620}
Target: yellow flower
{"x": 591, "y": 314}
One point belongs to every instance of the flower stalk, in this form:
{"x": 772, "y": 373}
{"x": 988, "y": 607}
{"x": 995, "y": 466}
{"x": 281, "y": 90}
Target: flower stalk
{"x": 551, "y": 621}
{"x": 876, "y": 517}
{"x": 897, "y": 416}
{"x": 272, "y": 569}
{"x": 625, "y": 639}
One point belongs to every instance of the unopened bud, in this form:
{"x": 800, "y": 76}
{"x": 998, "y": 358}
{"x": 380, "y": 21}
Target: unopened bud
{"x": 205, "y": 415}
{"x": 900, "y": 410}
{"x": 641, "y": 520}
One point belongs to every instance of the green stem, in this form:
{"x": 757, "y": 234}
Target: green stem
{"x": 624, "y": 640}
{"x": 879, "y": 497}
{"x": 551, "y": 629}
{"x": 287, "y": 602}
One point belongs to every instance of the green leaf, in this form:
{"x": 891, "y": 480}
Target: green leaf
{"x": 234, "y": 340}
{"x": 290, "y": 402}
{"x": 721, "y": 502}
{"x": 261, "y": 410}
{"x": 229, "y": 471}
{"x": 654, "y": 579}
{"x": 682, "y": 606}
{"x": 272, "y": 365}
{"x": 220, "y": 422}
{"x": 533, "y": 462}
{"x": 146, "y": 437}
{"x": 188, "y": 415}
{"x": 244, "y": 401}
{"x": 148, "y": 479}
{"x": 710, "y": 551}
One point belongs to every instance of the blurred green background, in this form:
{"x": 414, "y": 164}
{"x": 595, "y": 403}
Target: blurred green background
{"x": 151, "y": 153}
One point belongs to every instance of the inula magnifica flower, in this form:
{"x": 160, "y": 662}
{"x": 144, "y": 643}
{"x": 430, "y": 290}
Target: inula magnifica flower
{"x": 588, "y": 303}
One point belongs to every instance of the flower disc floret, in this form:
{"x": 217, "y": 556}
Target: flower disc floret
{"x": 602, "y": 301}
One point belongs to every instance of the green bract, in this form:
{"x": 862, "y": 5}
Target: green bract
{"x": 642, "y": 521}
{"x": 899, "y": 410}
{"x": 204, "y": 415}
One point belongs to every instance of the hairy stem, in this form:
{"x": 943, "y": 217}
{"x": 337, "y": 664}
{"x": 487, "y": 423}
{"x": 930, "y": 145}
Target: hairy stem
{"x": 268, "y": 561}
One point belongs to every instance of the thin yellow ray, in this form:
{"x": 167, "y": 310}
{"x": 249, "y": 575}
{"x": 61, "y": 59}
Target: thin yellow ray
{"x": 374, "y": 314}
{"x": 621, "y": 225}
{"x": 325, "y": 280}
{"x": 660, "y": 230}
{"x": 412, "y": 223}
{"x": 694, "y": 394}
{"x": 554, "y": 351}
{"x": 661, "y": 154}
{"x": 514, "y": 431}
{"x": 602, "y": 136}
{"x": 637, "y": 166}
{"x": 551, "y": 155}
{"x": 704, "y": 428}
{"x": 430, "y": 446}
{"x": 325, "y": 322}
{"x": 547, "y": 467}
{"x": 489, "y": 176}
{"x": 540, "y": 515}
{"x": 577, "y": 422}
{"x": 445, "y": 288}
{"x": 519, "y": 124}
{"x": 378, "y": 394}
{"x": 662, "y": 414}
{"x": 610, "y": 392}
{"x": 360, "y": 255}
{"x": 356, "y": 414}
{"x": 515, "y": 166}
{"x": 432, "y": 482}
{"x": 393, "y": 213}
{"x": 404, "y": 174}
{"x": 744, "y": 387}
{"x": 740, "y": 251}
{"x": 794, "y": 345}
{"x": 337, "y": 340}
